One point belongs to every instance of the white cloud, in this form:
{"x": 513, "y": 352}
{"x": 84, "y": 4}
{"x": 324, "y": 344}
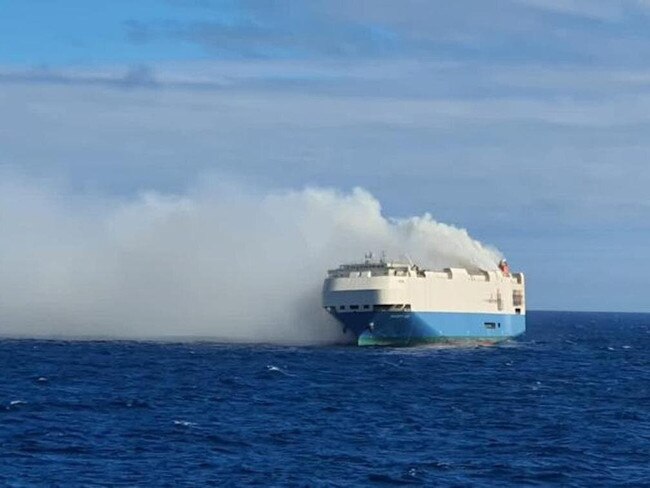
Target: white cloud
{"x": 593, "y": 9}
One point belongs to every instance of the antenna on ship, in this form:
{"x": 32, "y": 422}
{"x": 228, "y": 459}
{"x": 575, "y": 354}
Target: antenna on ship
{"x": 368, "y": 257}
{"x": 408, "y": 258}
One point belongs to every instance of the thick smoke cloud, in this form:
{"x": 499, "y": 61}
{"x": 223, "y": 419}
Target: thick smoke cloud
{"x": 219, "y": 263}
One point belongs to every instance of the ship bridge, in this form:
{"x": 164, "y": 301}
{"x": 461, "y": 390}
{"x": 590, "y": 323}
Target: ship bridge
{"x": 370, "y": 269}
{"x": 369, "y": 286}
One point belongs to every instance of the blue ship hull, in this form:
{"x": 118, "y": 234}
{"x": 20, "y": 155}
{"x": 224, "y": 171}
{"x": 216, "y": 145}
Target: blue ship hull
{"x": 412, "y": 328}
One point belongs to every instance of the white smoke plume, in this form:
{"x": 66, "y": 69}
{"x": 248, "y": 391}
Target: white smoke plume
{"x": 217, "y": 263}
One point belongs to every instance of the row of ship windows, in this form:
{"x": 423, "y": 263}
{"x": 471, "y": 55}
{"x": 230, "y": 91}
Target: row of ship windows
{"x": 355, "y": 307}
{"x": 375, "y": 308}
{"x": 385, "y": 308}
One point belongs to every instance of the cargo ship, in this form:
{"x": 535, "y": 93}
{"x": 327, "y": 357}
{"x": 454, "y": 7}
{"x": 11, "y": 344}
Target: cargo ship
{"x": 387, "y": 303}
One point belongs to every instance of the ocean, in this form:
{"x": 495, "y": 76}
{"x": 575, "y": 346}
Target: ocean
{"x": 567, "y": 404}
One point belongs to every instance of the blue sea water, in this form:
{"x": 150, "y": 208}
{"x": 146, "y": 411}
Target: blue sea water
{"x": 567, "y": 404}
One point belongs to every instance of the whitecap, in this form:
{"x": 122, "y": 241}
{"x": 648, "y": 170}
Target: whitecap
{"x": 275, "y": 369}
{"x": 184, "y": 423}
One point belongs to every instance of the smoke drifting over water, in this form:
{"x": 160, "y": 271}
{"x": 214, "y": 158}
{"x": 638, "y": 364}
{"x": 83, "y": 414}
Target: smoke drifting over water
{"x": 217, "y": 263}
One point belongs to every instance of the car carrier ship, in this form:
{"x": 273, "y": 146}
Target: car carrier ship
{"x": 399, "y": 304}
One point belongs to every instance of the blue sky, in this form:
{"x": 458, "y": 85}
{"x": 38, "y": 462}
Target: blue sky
{"x": 525, "y": 121}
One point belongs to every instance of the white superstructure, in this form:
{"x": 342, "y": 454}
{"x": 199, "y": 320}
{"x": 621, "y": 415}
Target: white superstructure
{"x": 399, "y": 286}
